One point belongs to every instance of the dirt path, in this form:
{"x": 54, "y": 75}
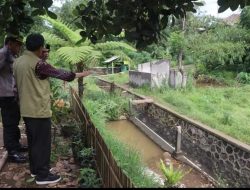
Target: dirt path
{"x": 15, "y": 175}
{"x": 18, "y": 175}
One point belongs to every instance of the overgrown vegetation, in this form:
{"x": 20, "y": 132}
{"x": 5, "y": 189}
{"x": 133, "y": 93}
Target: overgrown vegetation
{"x": 225, "y": 108}
{"x": 88, "y": 178}
{"x": 127, "y": 158}
{"x": 111, "y": 106}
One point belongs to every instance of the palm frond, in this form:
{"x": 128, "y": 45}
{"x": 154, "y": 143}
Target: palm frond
{"x": 53, "y": 39}
{"x": 74, "y": 55}
{"x": 111, "y": 45}
{"x": 64, "y": 29}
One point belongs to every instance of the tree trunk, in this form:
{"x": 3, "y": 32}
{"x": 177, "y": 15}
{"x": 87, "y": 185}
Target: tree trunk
{"x": 80, "y": 80}
{"x": 180, "y": 55}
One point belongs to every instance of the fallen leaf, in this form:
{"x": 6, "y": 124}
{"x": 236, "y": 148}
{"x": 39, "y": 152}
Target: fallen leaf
{"x": 30, "y": 180}
{"x": 52, "y": 185}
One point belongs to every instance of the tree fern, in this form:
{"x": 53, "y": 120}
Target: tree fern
{"x": 74, "y": 55}
{"x": 83, "y": 55}
{"x": 64, "y": 29}
{"x": 53, "y": 39}
{"x": 114, "y": 45}
{"x": 93, "y": 59}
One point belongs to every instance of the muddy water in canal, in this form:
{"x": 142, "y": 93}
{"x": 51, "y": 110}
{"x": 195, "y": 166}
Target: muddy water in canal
{"x": 151, "y": 153}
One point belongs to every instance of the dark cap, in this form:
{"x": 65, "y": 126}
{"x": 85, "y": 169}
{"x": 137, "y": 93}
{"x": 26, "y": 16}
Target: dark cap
{"x": 13, "y": 37}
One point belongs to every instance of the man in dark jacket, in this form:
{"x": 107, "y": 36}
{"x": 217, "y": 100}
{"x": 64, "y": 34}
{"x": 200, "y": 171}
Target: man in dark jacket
{"x": 8, "y": 99}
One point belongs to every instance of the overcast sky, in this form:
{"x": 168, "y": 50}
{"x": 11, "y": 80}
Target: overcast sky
{"x": 210, "y": 8}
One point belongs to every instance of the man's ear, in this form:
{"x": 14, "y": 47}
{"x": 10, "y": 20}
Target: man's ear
{"x": 41, "y": 51}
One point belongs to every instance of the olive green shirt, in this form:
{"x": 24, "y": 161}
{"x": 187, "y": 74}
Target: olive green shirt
{"x": 34, "y": 93}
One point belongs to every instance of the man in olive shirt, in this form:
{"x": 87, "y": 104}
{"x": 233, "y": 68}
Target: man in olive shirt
{"x": 8, "y": 100}
{"x": 32, "y": 79}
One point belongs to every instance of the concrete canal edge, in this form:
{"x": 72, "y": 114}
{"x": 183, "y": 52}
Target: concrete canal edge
{"x": 218, "y": 154}
{"x": 168, "y": 147}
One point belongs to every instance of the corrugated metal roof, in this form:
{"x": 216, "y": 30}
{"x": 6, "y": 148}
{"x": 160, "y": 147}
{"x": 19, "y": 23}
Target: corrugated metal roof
{"x": 111, "y": 59}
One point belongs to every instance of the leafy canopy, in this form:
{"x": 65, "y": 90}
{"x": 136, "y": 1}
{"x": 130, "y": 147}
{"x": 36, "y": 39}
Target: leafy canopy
{"x": 141, "y": 20}
{"x": 16, "y": 16}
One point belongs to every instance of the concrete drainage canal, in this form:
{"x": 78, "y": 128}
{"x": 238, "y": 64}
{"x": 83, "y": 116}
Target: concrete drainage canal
{"x": 224, "y": 161}
{"x": 128, "y": 133}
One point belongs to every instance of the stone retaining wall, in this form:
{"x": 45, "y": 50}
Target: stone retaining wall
{"x": 222, "y": 159}
{"x": 217, "y": 154}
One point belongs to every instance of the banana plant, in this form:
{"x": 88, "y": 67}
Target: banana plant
{"x": 82, "y": 53}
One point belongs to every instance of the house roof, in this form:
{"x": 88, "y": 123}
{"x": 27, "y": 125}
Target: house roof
{"x": 232, "y": 19}
{"x": 111, "y": 59}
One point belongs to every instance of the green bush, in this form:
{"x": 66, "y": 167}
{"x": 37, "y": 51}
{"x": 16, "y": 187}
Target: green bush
{"x": 89, "y": 179}
{"x": 86, "y": 157}
{"x": 112, "y": 105}
{"x": 243, "y": 77}
{"x": 222, "y": 56}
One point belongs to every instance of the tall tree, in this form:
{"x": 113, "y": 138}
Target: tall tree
{"x": 16, "y": 16}
{"x": 83, "y": 54}
{"x": 142, "y": 20}
{"x": 245, "y": 17}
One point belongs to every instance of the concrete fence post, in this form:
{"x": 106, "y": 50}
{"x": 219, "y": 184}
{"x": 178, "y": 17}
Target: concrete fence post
{"x": 130, "y": 107}
{"x": 112, "y": 87}
{"x": 178, "y": 153}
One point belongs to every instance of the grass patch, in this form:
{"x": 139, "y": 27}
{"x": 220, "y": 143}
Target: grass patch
{"x": 225, "y": 109}
{"x": 119, "y": 78}
{"x": 127, "y": 158}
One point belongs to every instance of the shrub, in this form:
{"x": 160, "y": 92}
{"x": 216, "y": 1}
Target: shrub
{"x": 88, "y": 178}
{"x": 243, "y": 77}
{"x": 86, "y": 157}
{"x": 172, "y": 177}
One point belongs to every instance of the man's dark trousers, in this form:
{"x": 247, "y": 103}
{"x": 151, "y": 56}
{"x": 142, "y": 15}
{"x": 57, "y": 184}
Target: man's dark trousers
{"x": 10, "y": 117}
{"x": 39, "y": 142}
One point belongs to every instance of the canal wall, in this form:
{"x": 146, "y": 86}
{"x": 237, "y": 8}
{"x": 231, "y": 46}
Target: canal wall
{"x": 221, "y": 156}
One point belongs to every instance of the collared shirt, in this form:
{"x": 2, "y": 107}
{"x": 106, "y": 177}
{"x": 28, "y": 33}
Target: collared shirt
{"x": 7, "y": 81}
{"x": 44, "y": 70}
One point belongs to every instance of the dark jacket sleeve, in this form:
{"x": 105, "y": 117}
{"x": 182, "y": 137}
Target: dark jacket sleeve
{"x": 44, "y": 70}
{"x": 2, "y": 60}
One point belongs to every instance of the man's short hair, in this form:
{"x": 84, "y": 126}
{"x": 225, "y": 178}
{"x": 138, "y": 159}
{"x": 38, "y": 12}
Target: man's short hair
{"x": 13, "y": 38}
{"x": 47, "y": 46}
{"x": 34, "y": 41}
